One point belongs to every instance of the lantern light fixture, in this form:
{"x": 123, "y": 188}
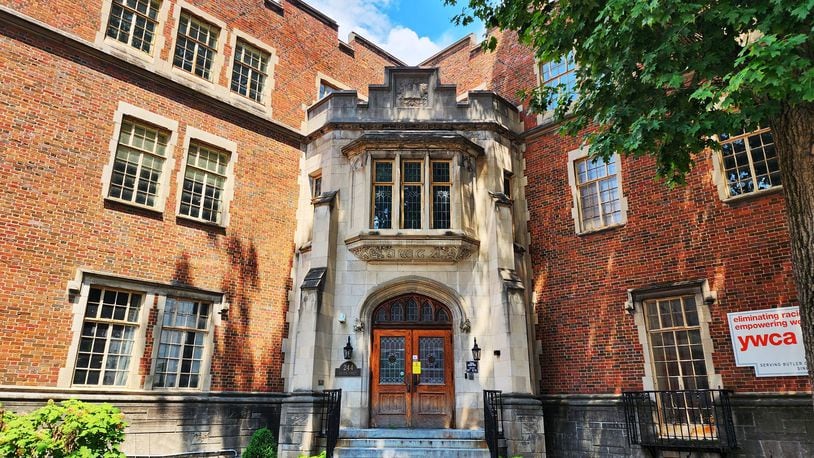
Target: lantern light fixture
{"x": 348, "y": 350}
{"x": 476, "y": 351}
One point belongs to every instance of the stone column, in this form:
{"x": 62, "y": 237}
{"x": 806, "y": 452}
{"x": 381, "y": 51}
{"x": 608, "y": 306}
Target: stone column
{"x": 523, "y": 425}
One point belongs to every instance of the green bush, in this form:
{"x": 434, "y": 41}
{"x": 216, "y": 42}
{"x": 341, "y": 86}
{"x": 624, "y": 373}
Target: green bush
{"x": 70, "y": 429}
{"x": 262, "y": 445}
{"x": 321, "y": 455}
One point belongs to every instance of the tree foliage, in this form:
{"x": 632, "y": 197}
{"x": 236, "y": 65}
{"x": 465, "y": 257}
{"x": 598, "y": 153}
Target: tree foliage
{"x": 660, "y": 77}
{"x": 262, "y": 445}
{"x": 70, "y": 429}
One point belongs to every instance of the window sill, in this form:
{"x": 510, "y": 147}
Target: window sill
{"x": 752, "y": 195}
{"x": 156, "y": 210}
{"x": 601, "y": 229}
{"x": 202, "y": 222}
{"x": 413, "y": 247}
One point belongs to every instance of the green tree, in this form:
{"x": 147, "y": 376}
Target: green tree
{"x": 662, "y": 77}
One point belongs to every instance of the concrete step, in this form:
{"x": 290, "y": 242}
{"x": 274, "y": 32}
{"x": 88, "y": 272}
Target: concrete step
{"x": 424, "y": 443}
{"x": 342, "y": 452}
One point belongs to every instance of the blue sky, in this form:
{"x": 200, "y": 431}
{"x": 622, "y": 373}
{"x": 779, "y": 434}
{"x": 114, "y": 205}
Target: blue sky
{"x": 411, "y": 30}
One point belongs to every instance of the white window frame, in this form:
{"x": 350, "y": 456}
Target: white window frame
{"x": 719, "y": 172}
{"x": 139, "y": 114}
{"x": 268, "y": 87}
{"x": 154, "y": 298}
{"x": 426, "y": 157}
{"x": 213, "y": 83}
{"x": 194, "y": 135}
{"x": 576, "y": 213}
{"x": 125, "y": 50}
{"x": 548, "y": 116}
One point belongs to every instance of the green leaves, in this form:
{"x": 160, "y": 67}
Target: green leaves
{"x": 70, "y": 429}
{"x": 662, "y": 76}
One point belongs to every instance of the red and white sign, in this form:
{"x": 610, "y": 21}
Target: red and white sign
{"x": 770, "y": 340}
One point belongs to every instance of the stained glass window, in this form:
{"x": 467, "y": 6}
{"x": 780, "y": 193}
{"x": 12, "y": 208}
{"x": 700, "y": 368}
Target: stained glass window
{"x": 441, "y": 197}
{"x": 431, "y": 355}
{"x": 411, "y": 310}
{"x": 391, "y": 360}
{"x": 382, "y": 194}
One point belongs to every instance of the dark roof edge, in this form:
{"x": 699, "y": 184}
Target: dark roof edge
{"x": 449, "y": 49}
{"x": 319, "y": 15}
{"x": 355, "y": 37}
{"x": 14, "y": 18}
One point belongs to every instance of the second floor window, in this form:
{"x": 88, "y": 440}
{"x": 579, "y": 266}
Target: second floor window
{"x": 202, "y": 196}
{"x": 418, "y": 203}
{"x": 249, "y": 71}
{"x": 325, "y": 89}
{"x": 749, "y": 162}
{"x": 134, "y": 22}
{"x": 598, "y": 194}
{"x": 140, "y": 156}
{"x": 196, "y": 45}
{"x": 559, "y": 75}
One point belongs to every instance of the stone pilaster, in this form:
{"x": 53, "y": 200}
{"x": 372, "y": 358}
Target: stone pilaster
{"x": 523, "y": 425}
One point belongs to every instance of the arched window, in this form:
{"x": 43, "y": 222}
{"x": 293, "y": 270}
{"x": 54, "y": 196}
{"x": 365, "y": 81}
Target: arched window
{"x": 405, "y": 312}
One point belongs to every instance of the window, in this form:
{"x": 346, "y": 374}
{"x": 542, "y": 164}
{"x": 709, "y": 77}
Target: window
{"x": 196, "y": 45}
{"x": 138, "y": 162}
{"x": 507, "y": 183}
{"x": 674, "y": 333}
{"x": 249, "y": 71}
{"x": 181, "y": 344}
{"x": 560, "y": 76}
{"x": 116, "y": 318}
{"x": 204, "y": 183}
{"x": 134, "y": 22}
{"x": 412, "y": 187}
{"x": 106, "y": 342}
{"x": 441, "y": 193}
{"x": 382, "y": 194}
{"x": 598, "y": 195}
{"x": 325, "y": 89}
{"x": 412, "y": 194}
{"x": 749, "y": 162}
{"x": 316, "y": 186}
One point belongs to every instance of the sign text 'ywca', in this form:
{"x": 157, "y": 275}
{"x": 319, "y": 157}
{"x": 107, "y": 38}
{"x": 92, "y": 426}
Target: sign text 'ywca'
{"x": 770, "y": 340}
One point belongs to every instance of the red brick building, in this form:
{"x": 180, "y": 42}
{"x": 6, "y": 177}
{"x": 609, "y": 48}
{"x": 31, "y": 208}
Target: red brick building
{"x": 158, "y": 160}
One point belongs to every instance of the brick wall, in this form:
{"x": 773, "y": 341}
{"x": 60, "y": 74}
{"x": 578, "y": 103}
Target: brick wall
{"x": 589, "y": 345}
{"x": 304, "y": 45}
{"x": 56, "y": 122}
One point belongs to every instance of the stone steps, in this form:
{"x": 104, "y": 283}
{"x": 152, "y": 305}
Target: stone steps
{"x": 398, "y": 443}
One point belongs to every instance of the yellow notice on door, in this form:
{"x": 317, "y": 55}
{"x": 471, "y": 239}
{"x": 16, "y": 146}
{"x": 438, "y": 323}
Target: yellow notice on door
{"x": 416, "y": 367}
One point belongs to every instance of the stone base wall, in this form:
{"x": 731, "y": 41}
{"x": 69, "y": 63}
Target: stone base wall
{"x": 766, "y": 425}
{"x": 300, "y": 424}
{"x": 523, "y": 426}
{"x": 163, "y": 425}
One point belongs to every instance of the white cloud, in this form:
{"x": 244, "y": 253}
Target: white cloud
{"x": 368, "y": 19}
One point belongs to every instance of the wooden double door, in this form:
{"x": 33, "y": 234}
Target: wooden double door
{"x": 402, "y": 399}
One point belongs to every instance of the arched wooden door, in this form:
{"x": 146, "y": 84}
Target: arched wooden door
{"x": 407, "y": 329}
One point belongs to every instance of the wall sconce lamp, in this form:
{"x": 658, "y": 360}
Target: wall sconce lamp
{"x": 348, "y": 350}
{"x": 476, "y": 351}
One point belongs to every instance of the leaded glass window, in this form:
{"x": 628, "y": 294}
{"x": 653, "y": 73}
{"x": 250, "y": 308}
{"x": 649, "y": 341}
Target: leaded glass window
{"x": 391, "y": 360}
{"x": 382, "y": 194}
{"x": 196, "y": 45}
{"x": 441, "y": 187}
{"x": 411, "y": 310}
{"x": 426, "y": 312}
{"x": 749, "y": 162}
{"x": 182, "y": 343}
{"x": 411, "y": 191}
{"x": 106, "y": 342}
{"x": 561, "y": 76}
{"x": 134, "y": 22}
{"x": 598, "y": 193}
{"x": 249, "y": 71}
{"x": 204, "y": 183}
{"x": 139, "y": 160}
{"x": 397, "y": 312}
{"x": 431, "y": 355}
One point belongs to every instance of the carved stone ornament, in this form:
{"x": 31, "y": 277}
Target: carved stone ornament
{"x": 348, "y": 369}
{"x": 412, "y": 92}
{"x": 359, "y": 326}
{"x": 406, "y": 249}
{"x": 466, "y": 326}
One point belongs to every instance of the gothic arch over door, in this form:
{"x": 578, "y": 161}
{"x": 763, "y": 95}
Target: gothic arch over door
{"x": 407, "y": 329}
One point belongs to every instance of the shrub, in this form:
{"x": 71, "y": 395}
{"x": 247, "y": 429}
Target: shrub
{"x": 70, "y": 429}
{"x": 262, "y": 445}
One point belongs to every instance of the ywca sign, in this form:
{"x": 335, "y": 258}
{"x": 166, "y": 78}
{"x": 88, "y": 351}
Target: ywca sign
{"x": 770, "y": 340}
